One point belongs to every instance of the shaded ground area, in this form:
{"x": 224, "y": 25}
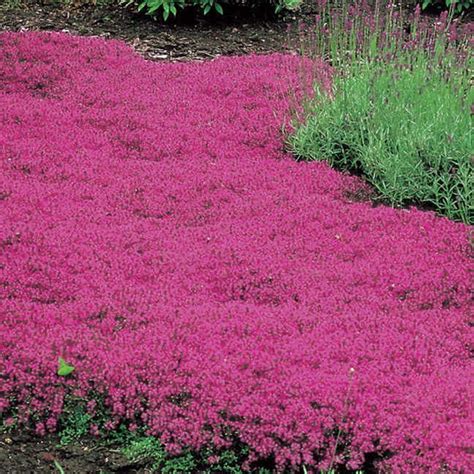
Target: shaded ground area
{"x": 193, "y": 38}
{"x": 22, "y": 453}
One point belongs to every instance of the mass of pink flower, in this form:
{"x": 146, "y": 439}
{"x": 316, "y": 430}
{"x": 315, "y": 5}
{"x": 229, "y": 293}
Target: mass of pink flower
{"x": 155, "y": 234}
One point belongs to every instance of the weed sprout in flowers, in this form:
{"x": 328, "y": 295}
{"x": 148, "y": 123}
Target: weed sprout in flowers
{"x": 164, "y": 262}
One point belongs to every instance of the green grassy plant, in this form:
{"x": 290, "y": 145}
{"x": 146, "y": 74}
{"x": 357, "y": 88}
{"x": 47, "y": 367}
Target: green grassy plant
{"x": 399, "y": 113}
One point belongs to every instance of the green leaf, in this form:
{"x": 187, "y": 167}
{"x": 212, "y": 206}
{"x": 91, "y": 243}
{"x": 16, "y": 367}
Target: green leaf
{"x": 154, "y": 8}
{"x": 219, "y": 8}
{"x": 64, "y": 368}
{"x": 58, "y": 467}
{"x": 207, "y": 9}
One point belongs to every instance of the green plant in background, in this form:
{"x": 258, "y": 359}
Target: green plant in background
{"x": 207, "y": 5}
{"x": 168, "y": 8}
{"x": 291, "y": 5}
{"x": 171, "y": 7}
{"x": 458, "y": 5}
{"x": 398, "y": 115}
{"x": 153, "y": 7}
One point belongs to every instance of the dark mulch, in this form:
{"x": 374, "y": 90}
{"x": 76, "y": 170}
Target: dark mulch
{"x": 193, "y": 38}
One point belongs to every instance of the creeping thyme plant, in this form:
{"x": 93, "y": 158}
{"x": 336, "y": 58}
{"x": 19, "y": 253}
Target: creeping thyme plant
{"x": 171, "y": 275}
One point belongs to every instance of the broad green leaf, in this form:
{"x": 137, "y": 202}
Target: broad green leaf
{"x": 64, "y": 368}
{"x": 218, "y": 8}
{"x": 153, "y": 9}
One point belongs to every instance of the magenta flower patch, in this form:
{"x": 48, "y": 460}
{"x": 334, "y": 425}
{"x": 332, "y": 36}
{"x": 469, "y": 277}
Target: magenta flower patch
{"x": 156, "y": 237}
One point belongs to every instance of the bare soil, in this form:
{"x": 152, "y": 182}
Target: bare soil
{"x": 23, "y": 453}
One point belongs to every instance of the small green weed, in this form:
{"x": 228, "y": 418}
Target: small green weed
{"x": 145, "y": 450}
{"x": 74, "y": 423}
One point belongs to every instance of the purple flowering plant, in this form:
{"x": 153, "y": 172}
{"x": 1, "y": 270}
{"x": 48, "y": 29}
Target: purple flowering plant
{"x": 399, "y": 110}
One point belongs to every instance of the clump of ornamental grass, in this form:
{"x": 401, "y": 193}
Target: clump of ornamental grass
{"x": 399, "y": 111}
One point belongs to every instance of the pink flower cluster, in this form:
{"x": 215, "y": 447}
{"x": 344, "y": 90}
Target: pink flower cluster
{"x": 154, "y": 234}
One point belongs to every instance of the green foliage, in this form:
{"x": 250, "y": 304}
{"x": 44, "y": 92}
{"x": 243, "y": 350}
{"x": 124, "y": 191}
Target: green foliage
{"x": 228, "y": 462}
{"x": 148, "y": 451}
{"x": 74, "y": 422}
{"x": 291, "y": 5}
{"x": 407, "y": 131}
{"x": 12, "y": 3}
{"x": 458, "y": 5}
{"x": 138, "y": 447}
{"x": 145, "y": 450}
{"x": 58, "y": 467}
{"x": 402, "y": 120}
{"x": 171, "y": 7}
{"x": 64, "y": 368}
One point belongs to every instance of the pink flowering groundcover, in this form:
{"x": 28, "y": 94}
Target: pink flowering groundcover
{"x": 155, "y": 235}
